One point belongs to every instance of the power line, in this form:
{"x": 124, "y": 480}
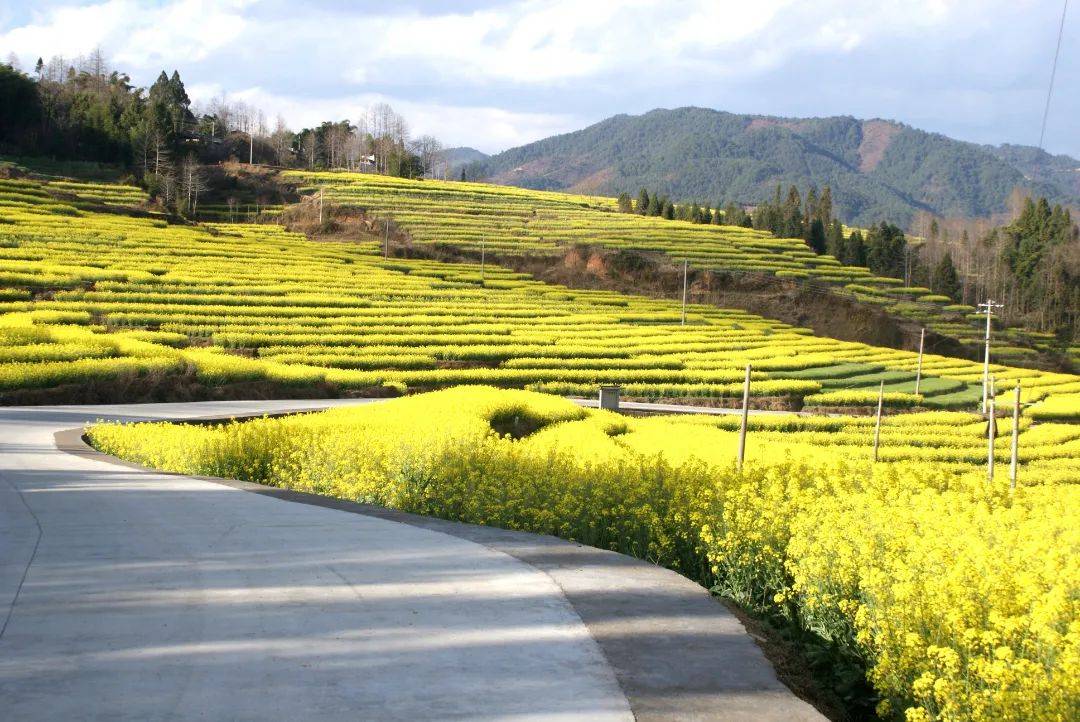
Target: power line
{"x": 1053, "y": 72}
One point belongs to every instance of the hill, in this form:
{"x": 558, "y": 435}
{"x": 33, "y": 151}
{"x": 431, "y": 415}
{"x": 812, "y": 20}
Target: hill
{"x": 98, "y": 304}
{"x": 878, "y": 169}
{"x": 512, "y": 222}
{"x": 458, "y": 158}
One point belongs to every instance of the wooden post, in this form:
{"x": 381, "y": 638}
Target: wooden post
{"x": 918, "y": 369}
{"x": 1015, "y": 438}
{"x": 483, "y": 250}
{"x": 745, "y": 416}
{"x": 991, "y": 433}
{"x": 877, "y": 421}
{"x": 685, "y": 264}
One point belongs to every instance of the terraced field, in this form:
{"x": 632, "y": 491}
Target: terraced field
{"x": 97, "y": 294}
{"x": 951, "y": 595}
{"x": 513, "y": 220}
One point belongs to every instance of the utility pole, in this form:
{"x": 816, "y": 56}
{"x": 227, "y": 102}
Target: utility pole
{"x": 320, "y": 207}
{"x": 482, "y": 259}
{"x": 918, "y": 369}
{"x": 685, "y": 264}
{"x": 251, "y": 149}
{"x": 988, "y": 308}
{"x": 386, "y": 240}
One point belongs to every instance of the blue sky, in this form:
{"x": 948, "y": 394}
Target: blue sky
{"x": 498, "y": 74}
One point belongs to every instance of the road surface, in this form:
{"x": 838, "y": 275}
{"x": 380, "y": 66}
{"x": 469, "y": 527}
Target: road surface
{"x": 130, "y": 594}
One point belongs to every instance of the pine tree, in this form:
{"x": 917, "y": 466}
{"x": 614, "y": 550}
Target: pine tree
{"x": 945, "y": 279}
{"x": 811, "y": 209}
{"x": 654, "y": 207}
{"x": 791, "y": 218}
{"x": 643, "y": 202}
{"x": 815, "y": 236}
{"x": 854, "y": 250}
{"x": 624, "y": 203}
{"x": 825, "y": 206}
{"x": 834, "y": 238}
{"x": 669, "y": 210}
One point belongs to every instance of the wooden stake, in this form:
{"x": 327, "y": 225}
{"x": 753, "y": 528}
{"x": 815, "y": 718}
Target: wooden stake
{"x": 1015, "y": 439}
{"x": 991, "y": 434}
{"x": 918, "y": 369}
{"x": 877, "y": 421}
{"x": 745, "y": 416}
{"x": 685, "y": 264}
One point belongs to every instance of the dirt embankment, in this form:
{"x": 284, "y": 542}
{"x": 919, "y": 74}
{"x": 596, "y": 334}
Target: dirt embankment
{"x": 828, "y": 314}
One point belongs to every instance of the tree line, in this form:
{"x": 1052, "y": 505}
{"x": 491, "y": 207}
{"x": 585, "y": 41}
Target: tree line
{"x": 83, "y": 110}
{"x": 1030, "y": 262}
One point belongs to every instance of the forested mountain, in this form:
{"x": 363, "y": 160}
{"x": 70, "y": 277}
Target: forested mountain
{"x": 463, "y": 157}
{"x": 877, "y": 169}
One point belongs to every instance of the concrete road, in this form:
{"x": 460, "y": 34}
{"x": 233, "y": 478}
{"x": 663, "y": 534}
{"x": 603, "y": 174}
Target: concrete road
{"x": 128, "y": 594}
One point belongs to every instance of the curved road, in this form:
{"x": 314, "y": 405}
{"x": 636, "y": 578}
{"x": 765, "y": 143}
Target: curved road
{"x": 130, "y": 594}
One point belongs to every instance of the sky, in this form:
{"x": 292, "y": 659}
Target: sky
{"x": 494, "y": 75}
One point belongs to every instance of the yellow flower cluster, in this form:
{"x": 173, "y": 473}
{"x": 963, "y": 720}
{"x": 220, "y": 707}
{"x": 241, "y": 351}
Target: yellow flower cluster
{"x": 962, "y": 599}
{"x": 290, "y": 311}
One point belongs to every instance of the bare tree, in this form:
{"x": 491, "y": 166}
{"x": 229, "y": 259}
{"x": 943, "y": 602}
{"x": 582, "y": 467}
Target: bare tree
{"x": 192, "y": 182}
{"x": 430, "y": 152}
{"x": 309, "y": 147}
{"x": 281, "y": 140}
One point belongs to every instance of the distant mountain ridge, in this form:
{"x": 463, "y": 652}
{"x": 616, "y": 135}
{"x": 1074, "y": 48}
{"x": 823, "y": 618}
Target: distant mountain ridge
{"x": 878, "y": 169}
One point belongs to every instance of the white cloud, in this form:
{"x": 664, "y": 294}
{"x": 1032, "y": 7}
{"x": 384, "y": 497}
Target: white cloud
{"x": 511, "y": 72}
{"x": 489, "y": 129}
{"x": 133, "y": 33}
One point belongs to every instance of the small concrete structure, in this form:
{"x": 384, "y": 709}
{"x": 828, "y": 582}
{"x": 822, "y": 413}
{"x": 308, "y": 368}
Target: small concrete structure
{"x": 609, "y": 397}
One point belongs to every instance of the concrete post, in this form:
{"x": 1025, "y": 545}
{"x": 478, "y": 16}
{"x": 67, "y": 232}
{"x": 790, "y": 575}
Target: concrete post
{"x": 609, "y": 397}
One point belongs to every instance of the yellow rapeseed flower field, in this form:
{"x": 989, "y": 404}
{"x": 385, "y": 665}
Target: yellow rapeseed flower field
{"x": 960, "y": 597}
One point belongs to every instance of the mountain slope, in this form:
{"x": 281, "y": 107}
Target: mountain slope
{"x": 878, "y": 169}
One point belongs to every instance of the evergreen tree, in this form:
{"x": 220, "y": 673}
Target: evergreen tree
{"x": 825, "y": 207}
{"x": 854, "y": 250}
{"x": 945, "y": 279}
{"x": 811, "y": 210}
{"x": 815, "y": 236}
{"x": 669, "y": 210}
{"x": 834, "y": 238}
{"x": 791, "y": 219}
{"x": 624, "y": 203}
{"x": 643, "y": 202}
{"x": 462, "y": 174}
{"x": 885, "y": 250}
{"x": 654, "y": 207}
